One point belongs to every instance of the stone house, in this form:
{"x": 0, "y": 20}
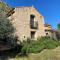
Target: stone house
{"x": 29, "y": 23}
{"x": 52, "y": 33}
{"x": 47, "y": 29}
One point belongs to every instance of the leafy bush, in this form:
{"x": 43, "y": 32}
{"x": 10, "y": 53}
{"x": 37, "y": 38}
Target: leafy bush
{"x": 37, "y": 46}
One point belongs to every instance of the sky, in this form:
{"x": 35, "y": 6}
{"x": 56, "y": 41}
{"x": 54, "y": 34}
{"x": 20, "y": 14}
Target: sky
{"x": 49, "y": 9}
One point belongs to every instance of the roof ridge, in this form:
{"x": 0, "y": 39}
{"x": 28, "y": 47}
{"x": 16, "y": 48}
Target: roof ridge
{"x": 22, "y": 6}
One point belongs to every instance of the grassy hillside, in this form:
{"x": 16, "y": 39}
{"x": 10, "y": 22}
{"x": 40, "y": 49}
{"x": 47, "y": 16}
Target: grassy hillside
{"x": 53, "y": 54}
{"x": 42, "y": 43}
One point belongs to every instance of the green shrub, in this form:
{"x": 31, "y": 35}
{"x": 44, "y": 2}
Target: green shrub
{"x": 37, "y": 46}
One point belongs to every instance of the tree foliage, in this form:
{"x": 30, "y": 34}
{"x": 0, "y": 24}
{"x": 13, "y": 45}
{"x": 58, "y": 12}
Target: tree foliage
{"x": 6, "y": 9}
{"x": 6, "y": 28}
{"x": 58, "y": 26}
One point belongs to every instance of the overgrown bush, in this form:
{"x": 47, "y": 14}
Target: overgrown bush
{"x": 37, "y": 46}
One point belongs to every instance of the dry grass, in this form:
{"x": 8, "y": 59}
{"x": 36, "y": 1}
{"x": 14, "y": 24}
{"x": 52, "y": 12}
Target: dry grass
{"x": 44, "y": 55}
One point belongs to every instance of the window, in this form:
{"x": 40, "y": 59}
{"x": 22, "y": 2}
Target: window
{"x": 33, "y": 23}
{"x": 32, "y": 20}
{"x": 32, "y": 17}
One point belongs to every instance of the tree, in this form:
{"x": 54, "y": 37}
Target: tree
{"x": 5, "y": 9}
{"x": 6, "y": 28}
{"x": 58, "y": 26}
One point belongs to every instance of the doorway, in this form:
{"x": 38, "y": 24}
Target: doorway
{"x": 32, "y": 35}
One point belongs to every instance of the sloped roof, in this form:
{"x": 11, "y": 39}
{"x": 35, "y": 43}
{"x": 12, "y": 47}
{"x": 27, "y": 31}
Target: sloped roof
{"x": 53, "y": 30}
